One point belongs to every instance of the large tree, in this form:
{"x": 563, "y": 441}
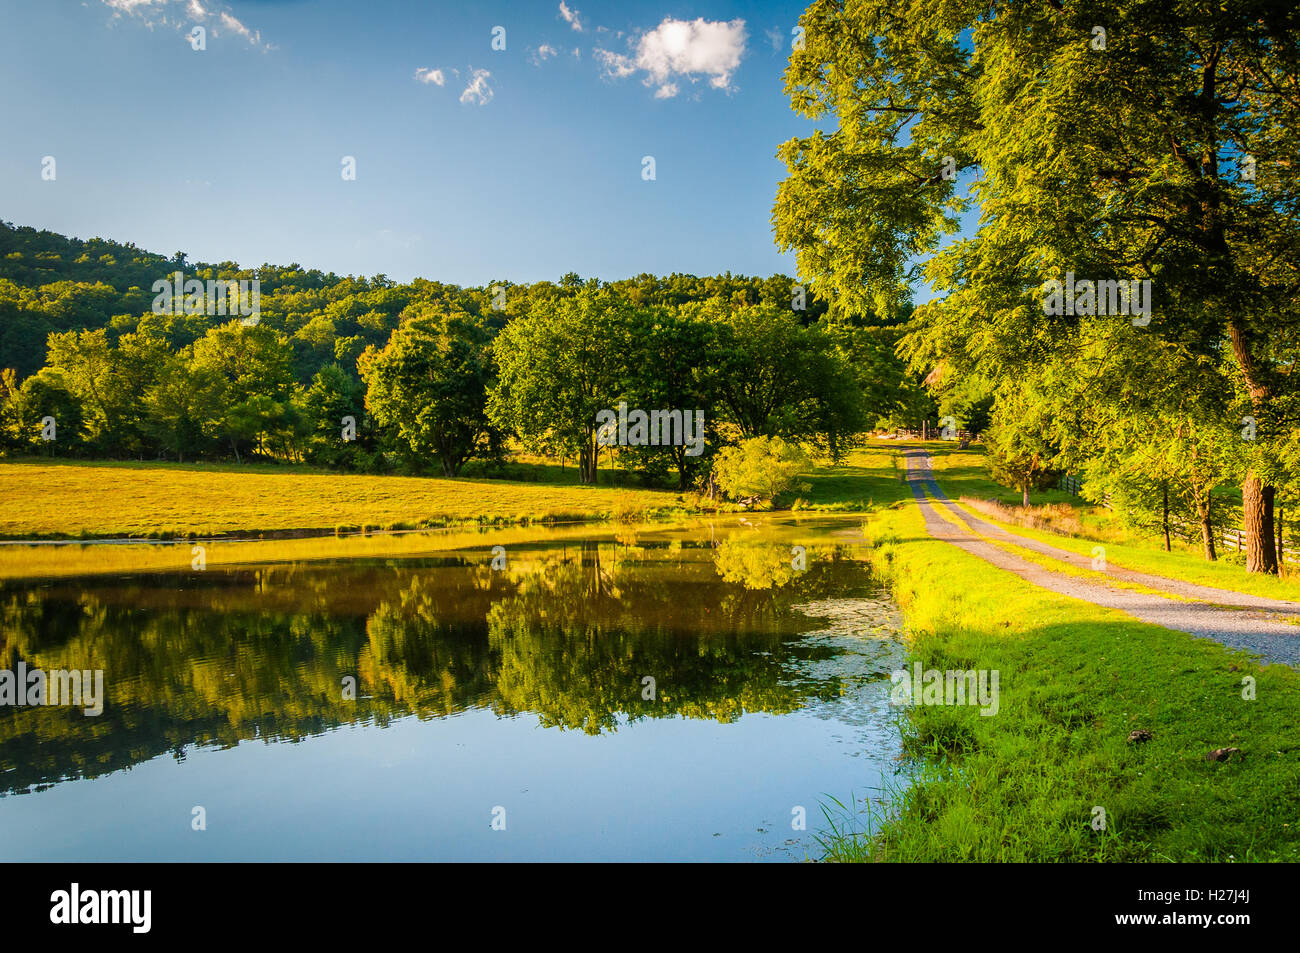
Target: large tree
{"x": 250, "y": 366}
{"x": 429, "y": 385}
{"x": 775, "y": 377}
{"x": 1116, "y": 140}
{"x": 558, "y": 368}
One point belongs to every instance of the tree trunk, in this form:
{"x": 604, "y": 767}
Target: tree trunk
{"x": 1257, "y": 512}
{"x": 1281, "y": 540}
{"x": 1165, "y": 514}
{"x": 1024, "y": 495}
{"x": 1204, "y": 505}
{"x": 1280, "y": 544}
{"x": 1256, "y": 499}
{"x": 588, "y": 462}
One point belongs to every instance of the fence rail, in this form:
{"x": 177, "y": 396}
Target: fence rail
{"x": 1071, "y": 484}
{"x": 1236, "y": 539}
{"x": 933, "y": 433}
{"x": 1232, "y": 538}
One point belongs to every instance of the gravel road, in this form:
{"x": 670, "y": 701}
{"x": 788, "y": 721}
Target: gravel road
{"x": 1255, "y": 626}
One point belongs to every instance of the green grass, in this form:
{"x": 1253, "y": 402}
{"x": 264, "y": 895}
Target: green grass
{"x": 1183, "y": 565}
{"x": 1075, "y": 680}
{"x": 93, "y": 499}
{"x": 965, "y": 473}
{"x": 870, "y": 477}
{"x": 162, "y": 500}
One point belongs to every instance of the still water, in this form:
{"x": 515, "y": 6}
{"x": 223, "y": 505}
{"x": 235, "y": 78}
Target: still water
{"x": 674, "y": 693}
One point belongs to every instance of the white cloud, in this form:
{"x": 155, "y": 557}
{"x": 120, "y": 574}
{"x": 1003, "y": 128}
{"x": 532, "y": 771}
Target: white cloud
{"x": 427, "y": 74}
{"x": 155, "y": 13}
{"x": 685, "y": 49}
{"x": 544, "y": 52}
{"x": 478, "y": 91}
{"x": 131, "y": 6}
{"x": 230, "y": 23}
{"x": 775, "y": 38}
{"x": 570, "y": 17}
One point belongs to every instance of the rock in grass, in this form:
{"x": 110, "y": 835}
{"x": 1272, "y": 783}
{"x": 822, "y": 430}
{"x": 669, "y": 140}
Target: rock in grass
{"x": 1139, "y": 735}
{"x": 1223, "y": 754}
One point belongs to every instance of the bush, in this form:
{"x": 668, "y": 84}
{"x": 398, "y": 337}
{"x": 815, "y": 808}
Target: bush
{"x": 761, "y": 467}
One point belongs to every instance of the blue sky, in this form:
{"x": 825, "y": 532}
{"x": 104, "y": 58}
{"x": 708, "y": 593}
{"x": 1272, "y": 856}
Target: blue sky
{"x": 234, "y": 151}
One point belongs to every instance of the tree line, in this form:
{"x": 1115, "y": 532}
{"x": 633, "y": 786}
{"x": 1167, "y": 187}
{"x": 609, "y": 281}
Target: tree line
{"x": 369, "y": 374}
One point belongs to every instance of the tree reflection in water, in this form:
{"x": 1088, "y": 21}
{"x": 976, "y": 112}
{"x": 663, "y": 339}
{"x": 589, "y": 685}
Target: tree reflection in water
{"x": 565, "y": 632}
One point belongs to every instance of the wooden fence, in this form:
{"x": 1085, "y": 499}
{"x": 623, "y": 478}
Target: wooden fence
{"x": 1232, "y": 538}
{"x": 935, "y": 433}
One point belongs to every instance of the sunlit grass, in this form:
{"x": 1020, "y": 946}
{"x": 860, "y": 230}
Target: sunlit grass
{"x": 1183, "y": 563}
{"x": 166, "y": 500}
{"x": 869, "y": 477}
{"x": 1075, "y": 680}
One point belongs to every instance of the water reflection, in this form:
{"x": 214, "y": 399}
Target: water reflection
{"x": 566, "y": 632}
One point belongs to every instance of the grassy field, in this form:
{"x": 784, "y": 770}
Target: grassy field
{"x": 867, "y": 479}
{"x": 168, "y": 500}
{"x": 163, "y": 501}
{"x": 1075, "y": 680}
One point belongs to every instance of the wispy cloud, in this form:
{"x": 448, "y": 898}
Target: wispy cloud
{"x": 233, "y": 25}
{"x": 478, "y": 92}
{"x": 571, "y": 17}
{"x": 185, "y": 14}
{"x": 427, "y": 74}
{"x": 684, "y": 49}
{"x": 543, "y": 53}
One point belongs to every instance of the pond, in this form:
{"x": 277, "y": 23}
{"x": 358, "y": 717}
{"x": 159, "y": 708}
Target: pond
{"x": 661, "y": 692}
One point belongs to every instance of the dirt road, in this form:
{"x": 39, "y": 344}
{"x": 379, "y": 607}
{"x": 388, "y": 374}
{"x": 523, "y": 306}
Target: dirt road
{"x": 1254, "y": 624}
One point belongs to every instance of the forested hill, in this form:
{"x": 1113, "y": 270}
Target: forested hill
{"x": 50, "y": 282}
{"x": 429, "y": 374}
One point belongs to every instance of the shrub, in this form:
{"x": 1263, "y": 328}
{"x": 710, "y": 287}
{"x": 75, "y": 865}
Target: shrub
{"x": 762, "y": 467}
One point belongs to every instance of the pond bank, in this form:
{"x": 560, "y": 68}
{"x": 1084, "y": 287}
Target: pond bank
{"x": 1054, "y": 776}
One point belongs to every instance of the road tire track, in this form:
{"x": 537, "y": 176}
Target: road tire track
{"x": 1252, "y": 627}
